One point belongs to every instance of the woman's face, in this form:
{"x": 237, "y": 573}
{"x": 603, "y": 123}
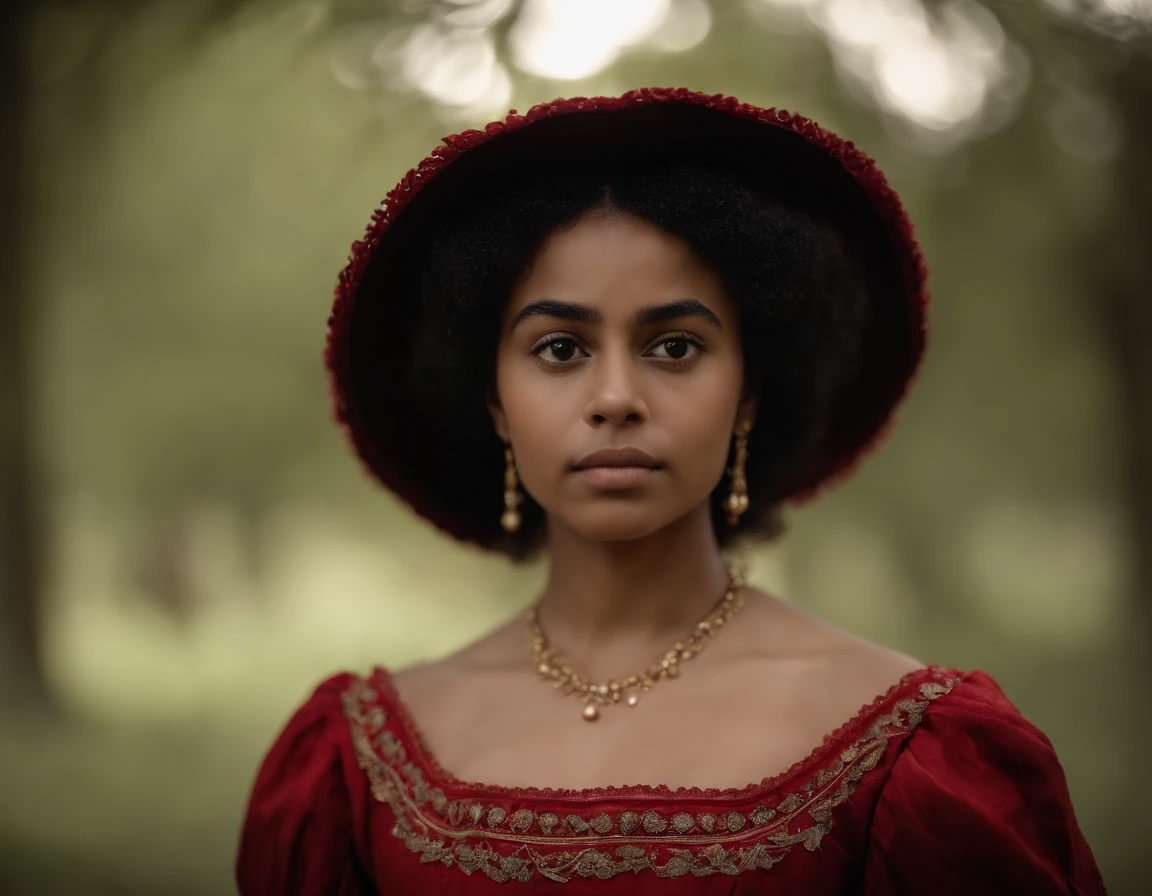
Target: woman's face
{"x": 618, "y": 337}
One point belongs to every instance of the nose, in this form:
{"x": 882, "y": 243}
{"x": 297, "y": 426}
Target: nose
{"x": 615, "y": 388}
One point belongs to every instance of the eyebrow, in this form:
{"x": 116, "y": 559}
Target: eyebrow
{"x": 650, "y": 314}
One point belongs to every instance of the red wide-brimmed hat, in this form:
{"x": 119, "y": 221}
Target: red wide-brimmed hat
{"x": 455, "y": 480}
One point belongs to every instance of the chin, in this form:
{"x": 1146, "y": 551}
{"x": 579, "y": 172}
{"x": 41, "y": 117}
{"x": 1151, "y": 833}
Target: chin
{"x": 618, "y": 523}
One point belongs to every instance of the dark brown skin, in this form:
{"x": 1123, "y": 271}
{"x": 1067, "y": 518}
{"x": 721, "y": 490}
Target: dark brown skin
{"x": 632, "y": 571}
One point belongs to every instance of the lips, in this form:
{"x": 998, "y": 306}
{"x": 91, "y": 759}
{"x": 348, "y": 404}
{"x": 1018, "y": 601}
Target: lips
{"x": 617, "y": 457}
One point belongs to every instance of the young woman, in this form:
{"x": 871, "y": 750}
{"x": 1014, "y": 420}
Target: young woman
{"x": 626, "y": 331}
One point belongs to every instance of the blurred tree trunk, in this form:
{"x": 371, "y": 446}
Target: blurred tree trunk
{"x": 1125, "y": 296}
{"x": 22, "y": 680}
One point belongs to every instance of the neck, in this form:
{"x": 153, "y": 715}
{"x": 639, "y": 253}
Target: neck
{"x": 614, "y": 607}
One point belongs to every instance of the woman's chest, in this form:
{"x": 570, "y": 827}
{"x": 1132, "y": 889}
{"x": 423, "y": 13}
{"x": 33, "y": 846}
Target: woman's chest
{"x": 701, "y": 741}
{"x": 703, "y": 752}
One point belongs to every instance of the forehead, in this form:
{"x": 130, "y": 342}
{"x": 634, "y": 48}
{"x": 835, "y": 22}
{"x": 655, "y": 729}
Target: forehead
{"x": 616, "y": 262}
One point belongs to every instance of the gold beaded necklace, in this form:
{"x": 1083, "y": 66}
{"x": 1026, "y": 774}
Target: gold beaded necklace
{"x": 557, "y": 669}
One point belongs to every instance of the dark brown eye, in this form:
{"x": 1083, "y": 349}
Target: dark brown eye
{"x": 678, "y": 348}
{"x": 562, "y": 349}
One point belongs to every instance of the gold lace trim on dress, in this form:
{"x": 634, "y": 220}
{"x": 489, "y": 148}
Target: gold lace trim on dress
{"x": 462, "y": 832}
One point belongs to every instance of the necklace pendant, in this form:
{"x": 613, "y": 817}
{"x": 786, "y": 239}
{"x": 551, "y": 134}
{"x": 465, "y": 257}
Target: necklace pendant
{"x": 556, "y": 669}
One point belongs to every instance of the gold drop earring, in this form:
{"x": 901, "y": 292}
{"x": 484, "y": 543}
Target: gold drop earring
{"x": 510, "y": 518}
{"x": 737, "y": 501}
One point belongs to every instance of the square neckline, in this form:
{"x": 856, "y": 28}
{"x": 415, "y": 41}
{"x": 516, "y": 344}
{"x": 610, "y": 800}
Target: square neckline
{"x": 912, "y": 680}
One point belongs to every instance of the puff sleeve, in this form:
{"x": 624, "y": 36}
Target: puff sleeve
{"x": 297, "y": 833}
{"x": 977, "y": 802}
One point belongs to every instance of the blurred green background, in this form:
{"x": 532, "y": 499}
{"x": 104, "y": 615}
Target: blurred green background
{"x": 187, "y": 545}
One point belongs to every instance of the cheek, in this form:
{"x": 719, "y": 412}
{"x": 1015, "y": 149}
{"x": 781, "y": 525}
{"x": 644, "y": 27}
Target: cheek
{"x": 700, "y": 416}
{"x": 533, "y": 403}
{"x": 703, "y": 440}
{"x": 540, "y": 417}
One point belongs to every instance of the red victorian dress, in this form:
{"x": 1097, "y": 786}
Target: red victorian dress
{"x": 939, "y": 786}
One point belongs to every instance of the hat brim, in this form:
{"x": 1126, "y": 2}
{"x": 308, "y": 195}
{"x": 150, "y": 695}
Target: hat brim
{"x": 413, "y": 451}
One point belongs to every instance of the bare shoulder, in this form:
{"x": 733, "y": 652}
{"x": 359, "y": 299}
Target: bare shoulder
{"x": 824, "y": 655}
{"x": 435, "y": 681}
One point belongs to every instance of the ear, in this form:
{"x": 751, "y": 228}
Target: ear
{"x": 496, "y": 409}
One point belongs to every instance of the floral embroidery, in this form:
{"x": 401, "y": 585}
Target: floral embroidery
{"x": 462, "y": 832}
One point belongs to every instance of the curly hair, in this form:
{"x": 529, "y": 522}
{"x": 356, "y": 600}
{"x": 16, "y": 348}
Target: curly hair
{"x": 797, "y": 280}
